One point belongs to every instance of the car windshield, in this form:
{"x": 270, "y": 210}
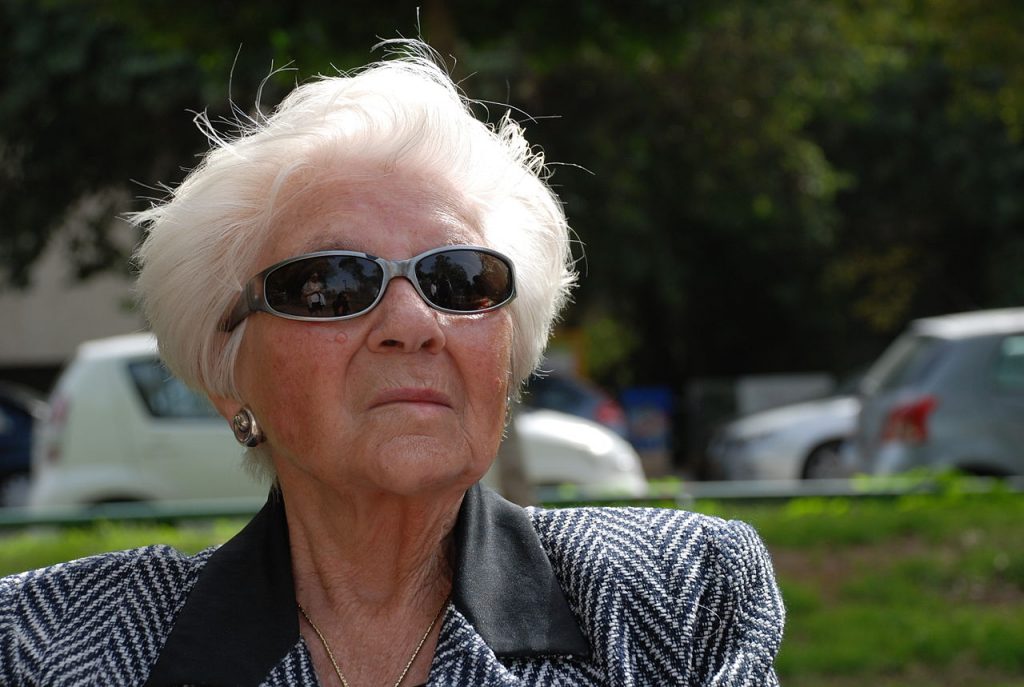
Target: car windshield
{"x": 165, "y": 395}
{"x": 904, "y": 363}
{"x": 1009, "y": 368}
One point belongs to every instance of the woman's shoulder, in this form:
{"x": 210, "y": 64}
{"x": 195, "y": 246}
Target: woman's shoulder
{"x": 76, "y": 610}
{"x": 628, "y": 527}
{"x": 82, "y": 587}
{"x": 656, "y": 540}
{"x": 112, "y": 568}
{"x": 706, "y": 584}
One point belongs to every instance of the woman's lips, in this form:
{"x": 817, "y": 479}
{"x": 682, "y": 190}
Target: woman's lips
{"x": 412, "y": 395}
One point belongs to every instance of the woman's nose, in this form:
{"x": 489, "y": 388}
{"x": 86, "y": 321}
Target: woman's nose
{"x": 404, "y": 322}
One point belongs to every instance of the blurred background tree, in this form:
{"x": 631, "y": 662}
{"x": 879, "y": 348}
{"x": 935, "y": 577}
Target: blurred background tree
{"x": 757, "y": 186}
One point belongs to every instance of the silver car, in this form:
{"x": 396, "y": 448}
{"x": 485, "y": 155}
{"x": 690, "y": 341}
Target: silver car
{"x": 798, "y": 441}
{"x": 947, "y": 394}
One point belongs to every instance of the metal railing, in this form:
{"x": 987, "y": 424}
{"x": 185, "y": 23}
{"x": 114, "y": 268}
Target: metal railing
{"x": 683, "y": 493}
{"x": 675, "y": 493}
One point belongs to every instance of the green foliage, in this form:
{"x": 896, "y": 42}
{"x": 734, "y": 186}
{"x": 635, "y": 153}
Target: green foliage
{"x": 771, "y": 187}
{"x": 609, "y": 344}
{"x": 80, "y": 98}
{"x": 699, "y": 161}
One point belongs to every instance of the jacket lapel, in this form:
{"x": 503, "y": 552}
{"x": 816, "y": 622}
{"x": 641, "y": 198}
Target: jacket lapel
{"x": 504, "y": 585}
{"x": 239, "y": 619}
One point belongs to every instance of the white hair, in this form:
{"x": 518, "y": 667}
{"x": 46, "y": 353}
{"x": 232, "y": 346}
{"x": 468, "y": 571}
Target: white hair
{"x": 203, "y": 241}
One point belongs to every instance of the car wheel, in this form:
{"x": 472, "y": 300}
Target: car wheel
{"x": 825, "y": 462}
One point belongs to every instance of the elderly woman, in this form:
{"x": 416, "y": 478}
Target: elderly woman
{"x": 378, "y": 559}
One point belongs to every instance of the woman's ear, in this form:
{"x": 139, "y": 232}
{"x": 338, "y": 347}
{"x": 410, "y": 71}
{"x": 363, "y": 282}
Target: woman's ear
{"x": 227, "y": 407}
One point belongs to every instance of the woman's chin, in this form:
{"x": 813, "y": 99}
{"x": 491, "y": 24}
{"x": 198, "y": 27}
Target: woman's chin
{"x": 419, "y": 475}
{"x": 405, "y": 465}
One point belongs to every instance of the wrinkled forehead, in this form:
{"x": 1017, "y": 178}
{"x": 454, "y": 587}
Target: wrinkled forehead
{"x": 373, "y": 213}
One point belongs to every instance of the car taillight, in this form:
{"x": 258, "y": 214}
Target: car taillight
{"x": 609, "y": 413}
{"x": 908, "y": 422}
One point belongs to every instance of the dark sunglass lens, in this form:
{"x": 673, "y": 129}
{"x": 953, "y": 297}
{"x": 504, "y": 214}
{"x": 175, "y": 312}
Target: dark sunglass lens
{"x": 464, "y": 280}
{"x": 324, "y": 286}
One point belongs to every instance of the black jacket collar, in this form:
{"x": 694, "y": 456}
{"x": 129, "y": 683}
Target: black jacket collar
{"x": 240, "y": 619}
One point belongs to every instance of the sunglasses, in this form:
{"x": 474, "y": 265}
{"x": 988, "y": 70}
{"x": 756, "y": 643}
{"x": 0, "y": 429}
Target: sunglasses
{"x": 340, "y": 284}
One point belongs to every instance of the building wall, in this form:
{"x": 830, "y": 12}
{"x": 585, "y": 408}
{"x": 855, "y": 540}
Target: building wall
{"x": 40, "y": 327}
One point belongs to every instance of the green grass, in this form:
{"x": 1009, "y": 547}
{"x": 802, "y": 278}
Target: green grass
{"x": 906, "y": 592}
{"x": 921, "y": 590}
{"x": 38, "y": 547}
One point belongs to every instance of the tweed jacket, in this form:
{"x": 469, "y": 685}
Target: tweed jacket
{"x": 573, "y": 597}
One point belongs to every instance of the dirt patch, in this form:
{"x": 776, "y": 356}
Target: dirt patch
{"x": 828, "y": 571}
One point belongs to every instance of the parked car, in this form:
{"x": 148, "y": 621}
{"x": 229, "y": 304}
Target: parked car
{"x": 947, "y": 394}
{"x": 576, "y": 396}
{"x": 797, "y": 441}
{"x": 122, "y": 428}
{"x": 20, "y": 409}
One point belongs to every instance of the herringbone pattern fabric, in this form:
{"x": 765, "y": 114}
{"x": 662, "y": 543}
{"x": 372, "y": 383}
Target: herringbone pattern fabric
{"x": 665, "y": 598}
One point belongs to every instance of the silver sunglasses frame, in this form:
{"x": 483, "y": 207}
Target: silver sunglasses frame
{"x": 253, "y": 298}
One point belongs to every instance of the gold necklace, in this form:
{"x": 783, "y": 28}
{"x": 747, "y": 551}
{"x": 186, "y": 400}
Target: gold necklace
{"x": 408, "y": 665}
